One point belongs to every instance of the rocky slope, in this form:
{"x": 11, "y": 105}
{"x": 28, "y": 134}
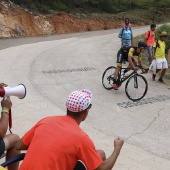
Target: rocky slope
{"x": 15, "y": 21}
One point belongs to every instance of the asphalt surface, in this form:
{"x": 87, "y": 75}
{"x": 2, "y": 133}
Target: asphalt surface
{"x": 52, "y": 67}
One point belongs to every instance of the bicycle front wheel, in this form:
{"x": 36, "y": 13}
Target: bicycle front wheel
{"x": 107, "y": 78}
{"x": 136, "y": 87}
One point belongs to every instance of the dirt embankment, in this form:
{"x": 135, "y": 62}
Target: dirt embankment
{"x": 15, "y": 21}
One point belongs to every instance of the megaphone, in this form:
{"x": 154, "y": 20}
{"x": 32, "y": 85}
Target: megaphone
{"x": 18, "y": 91}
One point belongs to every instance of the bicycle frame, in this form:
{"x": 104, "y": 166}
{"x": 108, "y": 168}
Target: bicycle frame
{"x": 121, "y": 80}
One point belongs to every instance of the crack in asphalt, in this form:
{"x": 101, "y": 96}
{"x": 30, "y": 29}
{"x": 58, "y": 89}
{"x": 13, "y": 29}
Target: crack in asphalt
{"x": 150, "y": 124}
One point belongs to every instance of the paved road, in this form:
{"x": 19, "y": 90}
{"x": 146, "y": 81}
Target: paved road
{"x": 52, "y": 67}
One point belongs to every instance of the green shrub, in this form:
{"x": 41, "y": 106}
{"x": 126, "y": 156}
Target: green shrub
{"x": 59, "y": 6}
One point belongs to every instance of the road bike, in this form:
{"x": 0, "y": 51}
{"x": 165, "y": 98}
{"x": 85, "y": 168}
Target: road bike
{"x": 136, "y": 86}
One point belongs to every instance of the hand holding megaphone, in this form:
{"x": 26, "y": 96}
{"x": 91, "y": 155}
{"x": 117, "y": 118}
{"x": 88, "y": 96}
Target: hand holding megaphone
{"x": 3, "y": 85}
{"x": 5, "y": 92}
{"x": 18, "y": 91}
{"x": 6, "y": 104}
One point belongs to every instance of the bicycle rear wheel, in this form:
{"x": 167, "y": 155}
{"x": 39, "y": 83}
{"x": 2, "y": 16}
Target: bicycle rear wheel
{"x": 136, "y": 87}
{"x": 107, "y": 78}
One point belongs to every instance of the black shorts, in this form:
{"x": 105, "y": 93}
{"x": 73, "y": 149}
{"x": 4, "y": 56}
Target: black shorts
{"x": 2, "y": 146}
{"x": 121, "y": 57}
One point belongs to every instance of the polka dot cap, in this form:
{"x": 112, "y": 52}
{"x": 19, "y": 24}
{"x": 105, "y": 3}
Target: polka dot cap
{"x": 78, "y": 101}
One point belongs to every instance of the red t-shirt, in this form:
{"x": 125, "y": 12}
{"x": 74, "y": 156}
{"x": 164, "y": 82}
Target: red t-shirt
{"x": 56, "y": 143}
{"x": 150, "y": 38}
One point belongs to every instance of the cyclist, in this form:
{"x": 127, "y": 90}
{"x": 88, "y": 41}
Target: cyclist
{"x": 127, "y": 54}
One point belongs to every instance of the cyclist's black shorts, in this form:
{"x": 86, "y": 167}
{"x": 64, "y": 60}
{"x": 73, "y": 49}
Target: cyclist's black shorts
{"x": 2, "y": 146}
{"x": 121, "y": 57}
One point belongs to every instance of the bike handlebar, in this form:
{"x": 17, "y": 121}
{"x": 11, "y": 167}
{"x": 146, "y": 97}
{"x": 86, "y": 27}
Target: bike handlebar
{"x": 141, "y": 67}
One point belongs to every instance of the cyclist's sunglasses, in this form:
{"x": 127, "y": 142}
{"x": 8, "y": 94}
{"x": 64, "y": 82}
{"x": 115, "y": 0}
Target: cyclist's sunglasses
{"x": 89, "y": 107}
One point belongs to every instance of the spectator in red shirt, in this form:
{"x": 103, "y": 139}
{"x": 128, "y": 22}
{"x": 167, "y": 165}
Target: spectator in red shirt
{"x": 57, "y": 142}
{"x": 150, "y": 39}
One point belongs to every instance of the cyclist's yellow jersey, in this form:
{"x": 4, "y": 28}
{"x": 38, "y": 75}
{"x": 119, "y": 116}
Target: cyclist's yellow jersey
{"x": 132, "y": 52}
{"x": 160, "y": 50}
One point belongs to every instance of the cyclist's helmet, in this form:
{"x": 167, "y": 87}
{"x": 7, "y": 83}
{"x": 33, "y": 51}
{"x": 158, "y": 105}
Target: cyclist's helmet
{"x": 153, "y": 25}
{"x": 142, "y": 44}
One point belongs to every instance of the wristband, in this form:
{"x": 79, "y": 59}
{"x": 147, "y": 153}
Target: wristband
{"x": 5, "y": 111}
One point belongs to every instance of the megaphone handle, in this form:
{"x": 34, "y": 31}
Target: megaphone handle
{"x": 10, "y": 120}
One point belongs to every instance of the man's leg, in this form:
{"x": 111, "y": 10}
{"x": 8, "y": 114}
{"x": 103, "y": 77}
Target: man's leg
{"x": 10, "y": 141}
{"x": 119, "y": 66}
{"x": 164, "y": 68}
{"x": 162, "y": 73}
{"x": 117, "y": 72}
{"x": 115, "y": 86}
{"x": 158, "y": 68}
{"x": 149, "y": 49}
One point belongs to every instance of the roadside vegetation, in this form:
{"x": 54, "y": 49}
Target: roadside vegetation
{"x": 97, "y": 6}
{"x": 139, "y": 11}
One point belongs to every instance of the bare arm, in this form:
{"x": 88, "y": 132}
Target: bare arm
{"x": 131, "y": 62}
{"x": 21, "y": 146}
{"x": 109, "y": 162}
{"x": 3, "y": 125}
{"x": 6, "y": 105}
{"x": 120, "y": 36}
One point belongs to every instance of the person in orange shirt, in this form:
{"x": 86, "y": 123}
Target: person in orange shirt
{"x": 57, "y": 142}
{"x": 150, "y": 39}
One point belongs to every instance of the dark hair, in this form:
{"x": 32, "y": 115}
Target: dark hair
{"x": 142, "y": 44}
{"x": 77, "y": 114}
{"x": 74, "y": 113}
{"x": 153, "y": 25}
{"x": 126, "y": 19}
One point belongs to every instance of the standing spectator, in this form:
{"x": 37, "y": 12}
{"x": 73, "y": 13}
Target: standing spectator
{"x": 57, "y": 142}
{"x": 150, "y": 39}
{"x": 126, "y": 34}
{"x": 159, "y": 54}
{"x": 7, "y": 141}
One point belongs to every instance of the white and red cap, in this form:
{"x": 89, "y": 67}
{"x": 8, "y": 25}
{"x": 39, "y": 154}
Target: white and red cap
{"x": 79, "y": 101}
